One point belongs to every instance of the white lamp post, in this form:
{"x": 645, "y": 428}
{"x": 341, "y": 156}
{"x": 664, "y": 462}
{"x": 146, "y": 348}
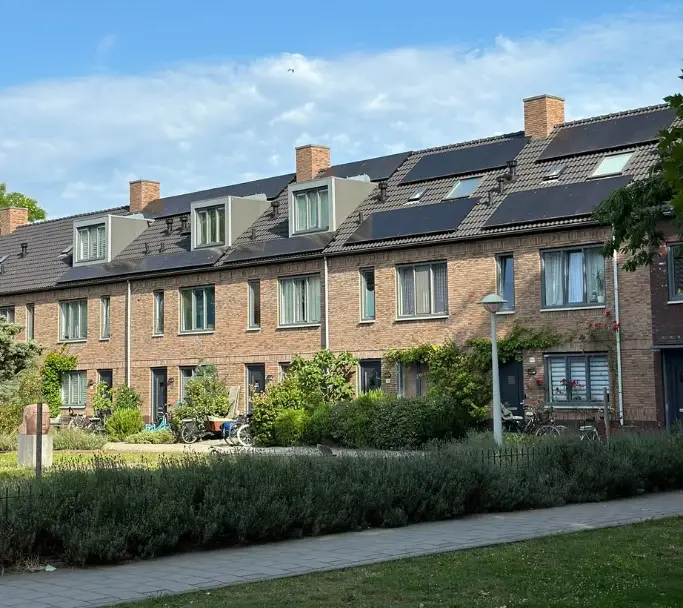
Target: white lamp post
{"x": 493, "y": 303}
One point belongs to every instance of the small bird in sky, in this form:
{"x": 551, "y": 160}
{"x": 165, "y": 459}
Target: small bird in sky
{"x": 291, "y": 70}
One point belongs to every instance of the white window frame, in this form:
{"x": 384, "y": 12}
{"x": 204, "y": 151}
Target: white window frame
{"x": 303, "y": 286}
{"x": 568, "y": 358}
{"x": 194, "y": 297}
{"x": 68, "y": 311}
{"x": 432, "y": 295}
{"x": 465, "y": 182}
{"x": 253, "y": 298}
{"x": 566, "y": 251}
{"x": 215, "y": 226}
{"x": 105, "y": 318}
{"x": 30, "y": 321}
{"x": 158, "y": 315}
{"x": 313, "y": 200}
{"x": 600, "y": 170}
{"x": 284, "y": 368}
{"x": 84, "y": 247}
{"x": 8, "y": 313}
{"x": 364, "y": 272}
{"x": 74, "y": 389}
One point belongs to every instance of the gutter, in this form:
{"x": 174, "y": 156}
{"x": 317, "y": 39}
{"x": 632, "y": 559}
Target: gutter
{"x": 327, "y": 306}
{"x": 620, "y": 387}
{"x": 128, "y": 333}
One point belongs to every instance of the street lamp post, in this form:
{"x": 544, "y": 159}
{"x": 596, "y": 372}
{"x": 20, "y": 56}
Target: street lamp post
{"x": 493, "y": 303}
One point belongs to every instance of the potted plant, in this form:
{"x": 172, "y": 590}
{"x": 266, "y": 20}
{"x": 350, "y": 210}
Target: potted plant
{"x": 600, "y": 287}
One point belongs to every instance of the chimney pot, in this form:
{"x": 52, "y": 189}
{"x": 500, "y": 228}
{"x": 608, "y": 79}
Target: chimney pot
{"x": 142, "y": 193}
{"x": 541, "y": 114}
{"x": 11, "y": 218}
{"x": 310, "y": 161}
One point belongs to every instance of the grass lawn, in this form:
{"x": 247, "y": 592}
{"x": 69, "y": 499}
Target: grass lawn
{"x": 632, "y": 566}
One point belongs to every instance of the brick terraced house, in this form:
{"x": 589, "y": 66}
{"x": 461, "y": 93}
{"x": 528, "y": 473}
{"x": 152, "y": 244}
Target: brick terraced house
{"x": 379, "y": 254}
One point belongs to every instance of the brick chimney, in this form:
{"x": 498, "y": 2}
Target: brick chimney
{"x": 541, "y": 114}
{"x": 142, "y": 193}
{"x": 11, "y": 218}
{"x": 310, "y": 160}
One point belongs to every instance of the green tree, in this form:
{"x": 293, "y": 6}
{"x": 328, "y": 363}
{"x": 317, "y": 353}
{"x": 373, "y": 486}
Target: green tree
{"x": 17, "y": 199}
{"x": 637, "y": 211}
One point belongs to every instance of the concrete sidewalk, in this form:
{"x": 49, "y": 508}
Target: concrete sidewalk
{"x": 199, "y": 571}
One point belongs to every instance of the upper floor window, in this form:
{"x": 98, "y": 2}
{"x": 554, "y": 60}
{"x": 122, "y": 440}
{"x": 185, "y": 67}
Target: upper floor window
{"x": 463, "y": 188}
{"x": 92, "y": 243}
{"x": 73, "y": 320}
{"x": 577, "y": 378}
{"x": 367, "y": 294}
{"x": 311, "y": 210}
{"x": 422, "y": 290}
{"x": 254, "y": 303}
{"x": 573, "y": 277}
{"x": 675, "y": 262}
{"x": 300, "y": 300}
{"x": 197, "y": 309}
{"x": 7, "y": 313}
{"x": 105, "y": 317}
{"x": 158, "y": 313}
{"x": 612, "y": 165}
{"x": 209, "y": 226}
{"x": 506, "y": 280}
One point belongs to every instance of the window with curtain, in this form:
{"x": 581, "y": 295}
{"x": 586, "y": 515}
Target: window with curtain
{"x": 412, "y": 380}
{"x": 577, "y": 378}
{"x": 422, "y": 290}
{"x": 105, "y": 317}
{"x": 30, "y": 321}
{"x": 254, "y": 303}
{"x": 506, "y": 280}
{"x": 675, "y": 262}
{"x": 300, "y": 300}
{"x": 573, "y": 277}
{"x": 91, "y": 243}
{"x": 7, "y": 313}
{"x": 159, "y": 313}
{"x": 197, "y": 309}
{"x": 73, "y": 389}
{"x": 367, "y": 294}
{"x": 311, "y": 210}
{"x": 209, "y": 226}
{"x": 73, "y": 320}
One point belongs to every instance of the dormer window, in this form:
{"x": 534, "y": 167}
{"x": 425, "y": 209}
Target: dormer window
{"x": 209, "y": 225}
{"x": 311, "y": 210}
{"x": 612, "y": 165}
{"x": 463, "y": 188}
{"x": 92, "y": 243}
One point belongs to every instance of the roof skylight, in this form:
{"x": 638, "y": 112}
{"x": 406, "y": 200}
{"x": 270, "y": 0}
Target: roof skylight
{"x": 555, "y": 172}
{"x": 3, "y": 258}
{"x": 612, "y": 165}
{"x": 463, "y": 188}
{"x": 417, "y": 195}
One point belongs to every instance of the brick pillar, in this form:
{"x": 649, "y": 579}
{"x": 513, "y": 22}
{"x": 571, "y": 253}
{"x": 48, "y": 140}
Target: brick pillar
{"x": 542, "y": 114}
{"x": 311, "y": 160}
{"x": 143, "y": 192}
{"x": 11, "y": 218}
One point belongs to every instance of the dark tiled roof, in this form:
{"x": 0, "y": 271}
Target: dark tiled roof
{"x": 44, "y": 262}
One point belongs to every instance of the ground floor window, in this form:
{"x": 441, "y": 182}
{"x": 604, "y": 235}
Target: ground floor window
{"x": 412, "y": 380}
{"x": 73, "y": 389}
{"x": 577, "y": 378}
{"x": 186, "y": 374}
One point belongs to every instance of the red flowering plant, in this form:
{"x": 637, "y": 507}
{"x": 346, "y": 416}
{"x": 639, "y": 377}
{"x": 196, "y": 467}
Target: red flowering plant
{"x": 603, "y": 331}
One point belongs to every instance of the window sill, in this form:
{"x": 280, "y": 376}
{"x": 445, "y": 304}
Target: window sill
{"x": 104, "y": 339}
{"x": 505, "y": 312}
{"x": 299, "y": 326}
{"x": 603, "y": 175}
{"x": 366, "y": 321}
{"x": 586, "y": 405}
{"x": 675, "y": 301}
{"x": 591, "y": 307}
{"x": 252, "y": 329}
{"x": 310, "y": 231}
{"x": 198, "y": 332}
{"x": 73, "y": 407}
{"x": 157, "y": 335}
{"x": 79, "y": 341}
{"x": 422, "y": 318}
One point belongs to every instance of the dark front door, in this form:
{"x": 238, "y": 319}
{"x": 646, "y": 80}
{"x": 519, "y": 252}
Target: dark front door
{"x": 256, "y": 381}
{"x": 512, "y": 387}
{"x": 370, "y": 375}
{"x": 159, "y": 378}
{"x": 674, "y": 386}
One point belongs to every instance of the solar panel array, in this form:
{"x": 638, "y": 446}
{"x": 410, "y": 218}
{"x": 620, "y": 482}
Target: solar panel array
{"x": 278, "y": 247}
{"x": 377, "y": 169}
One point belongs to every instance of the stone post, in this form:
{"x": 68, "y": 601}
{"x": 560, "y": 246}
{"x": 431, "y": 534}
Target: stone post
{"x": 27, "y": 439}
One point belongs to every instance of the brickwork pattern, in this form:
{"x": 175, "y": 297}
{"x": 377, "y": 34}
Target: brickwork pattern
{"x": 542, "y": 114}
{"x": 311, "y": 160}
{"x": 11, "y": 218}
{"x": 143, "y": 192}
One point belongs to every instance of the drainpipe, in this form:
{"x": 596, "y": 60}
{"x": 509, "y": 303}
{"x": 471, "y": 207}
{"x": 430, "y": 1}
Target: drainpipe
{"x": 128, "y": 307}
{"x": 620, "y": 402}
{"x": 327, "y": 308}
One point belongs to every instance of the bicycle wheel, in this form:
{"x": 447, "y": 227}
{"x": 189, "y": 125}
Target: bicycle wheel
{"x": 548, "y": 431}
{"x": 591, "y": 435}
{"x": 189, "y": 433}
{"x": 244, "y": 436}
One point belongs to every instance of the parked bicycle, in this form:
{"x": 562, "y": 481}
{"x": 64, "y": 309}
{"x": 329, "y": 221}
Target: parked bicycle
{"x": 231, "y": 431}
{"x": 238, "y": 431}
{"x": 77, "y": 421}
{"x": 161, "y": 423}
{"x": 95, "y": 424}
{"x": 534, "y": 422}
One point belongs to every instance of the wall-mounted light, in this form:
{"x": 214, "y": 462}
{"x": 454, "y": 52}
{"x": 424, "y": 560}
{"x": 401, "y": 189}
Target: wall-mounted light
{"x": 531, "y": 371}
{"x": 91, "y": 383}
{"x": 269, "y": 378}
{"x": 170, "y": 381}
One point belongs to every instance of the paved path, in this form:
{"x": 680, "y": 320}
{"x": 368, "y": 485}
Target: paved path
{"x": 206, "y": 570}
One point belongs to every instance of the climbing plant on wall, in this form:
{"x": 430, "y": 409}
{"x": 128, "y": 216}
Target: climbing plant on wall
{"x": 56, "y": 363}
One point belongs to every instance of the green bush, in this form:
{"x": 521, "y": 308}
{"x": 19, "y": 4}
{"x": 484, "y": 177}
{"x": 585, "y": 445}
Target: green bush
{"x": 10, "y": 416}
{"x": 318, "y": 427}
{"x": 266, "y": 406}
{"x": 125, "y": 398}
{"x": 101, "y": 400}
{"x": 77, "y": 439}
{"x": 24, "y": 389}
{"x": 289, "y": 426}
{"x": 123, "y": 423}
{"x": 152, "y": 437}
{"x": 8, "y": 442}
{"x": 208, "y": 501}
{"x": 55, "y": 364}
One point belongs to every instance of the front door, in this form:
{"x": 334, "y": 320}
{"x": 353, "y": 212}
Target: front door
{"x": 370, "y": 375}
{"x": 256, "y": 381}
{"x": 674, "y": 388}
{"x": 159, "y": 378}
{"x": 512, "y": 386}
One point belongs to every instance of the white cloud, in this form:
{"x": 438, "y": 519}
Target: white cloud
{"x": 74, "y": 143}
{"x": 106, "y": 44}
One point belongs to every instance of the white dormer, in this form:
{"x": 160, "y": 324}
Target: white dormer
{"x": 321, "y": 205}
{"x": 97, "y": 240}
{"x": 218, "y": 222}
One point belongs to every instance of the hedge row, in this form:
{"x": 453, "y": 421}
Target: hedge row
{"x": 112, "y": 513}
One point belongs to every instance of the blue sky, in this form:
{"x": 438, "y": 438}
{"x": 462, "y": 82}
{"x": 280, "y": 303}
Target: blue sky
{"x": 198, "y": 94}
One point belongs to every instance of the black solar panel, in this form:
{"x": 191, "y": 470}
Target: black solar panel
{"x": 278, "y": 247}
{"x": 149, "y": 263}
{"x": 413, "y": 221}
{"x": 608, "y": 134}
{"x": 177, "y": 205}
{"x": 554, "y": 202}
{"x": 378, "y": 169}
{"x": 466, "y": 160}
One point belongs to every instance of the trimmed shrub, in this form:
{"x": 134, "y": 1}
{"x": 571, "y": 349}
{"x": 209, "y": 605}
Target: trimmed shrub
{"x": 152, "y": 437}
{"x": 318, "y": 427}
{"x": 77, "y": 439}
{"x": 289, "y": 426}
{"x": 124, "y": 423}
{"x": 8, "y": 442}
{"x": 10, "y": 416}
{"x": 125, "y": 398}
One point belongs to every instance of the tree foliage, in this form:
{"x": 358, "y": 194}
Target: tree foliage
{"x": 15, "y": 355}
{"x": 17, "y": 199}
{"x": 636, "y": 211}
